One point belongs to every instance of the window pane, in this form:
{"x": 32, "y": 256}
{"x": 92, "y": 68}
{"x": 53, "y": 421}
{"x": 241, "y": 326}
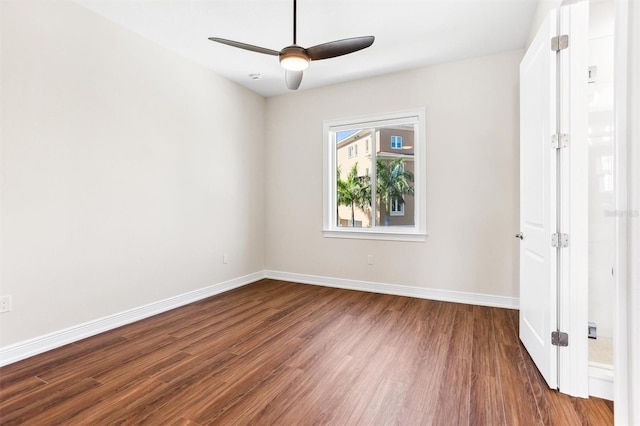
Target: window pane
{"x": 395, "y": 204}
{"x": 353, "y": 179}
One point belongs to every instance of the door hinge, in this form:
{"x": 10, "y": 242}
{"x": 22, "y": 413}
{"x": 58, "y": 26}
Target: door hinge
{"x": 560, "y": 140}
{"x": 559, "y": 240}
{"x": 559, "y": 43}
{"x": 558, "y": 338}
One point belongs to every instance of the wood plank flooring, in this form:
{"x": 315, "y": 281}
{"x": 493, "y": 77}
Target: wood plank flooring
{"x": 281, "y": 353}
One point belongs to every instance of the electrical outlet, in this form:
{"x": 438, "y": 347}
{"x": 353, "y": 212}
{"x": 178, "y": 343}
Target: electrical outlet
{"x": 225, "y": 258}
{"x": 370, "y": 259}
{"x": 5, "y": 304}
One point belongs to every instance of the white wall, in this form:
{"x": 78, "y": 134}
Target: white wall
{"x": 542, "y": 10}
{"x": 126, "y": 171}
{"x": 472, "y": 178}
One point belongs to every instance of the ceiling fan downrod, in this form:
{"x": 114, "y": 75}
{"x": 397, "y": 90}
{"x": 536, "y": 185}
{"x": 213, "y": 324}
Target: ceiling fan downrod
{"x": 295, "y": 16}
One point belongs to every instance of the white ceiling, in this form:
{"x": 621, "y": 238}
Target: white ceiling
{"x": 409, "y": 33}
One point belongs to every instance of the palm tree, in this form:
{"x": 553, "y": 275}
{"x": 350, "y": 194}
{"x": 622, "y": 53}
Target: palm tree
{"x": 353, "y": 192}
{"x": 393, "y": 182}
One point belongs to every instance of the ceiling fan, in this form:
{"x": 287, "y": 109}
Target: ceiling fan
{"x": 294, "y": 59}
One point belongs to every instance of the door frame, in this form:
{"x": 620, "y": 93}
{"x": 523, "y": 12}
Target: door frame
{"x": 573, "y": 294}
{"x": 624, "y": 186}
{"x": 626, "y": 164}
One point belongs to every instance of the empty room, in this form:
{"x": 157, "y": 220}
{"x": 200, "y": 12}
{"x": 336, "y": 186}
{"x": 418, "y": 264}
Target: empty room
{"x": 296, "y": 212}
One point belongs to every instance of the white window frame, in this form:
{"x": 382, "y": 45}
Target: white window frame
{"x": 399, "y": 233}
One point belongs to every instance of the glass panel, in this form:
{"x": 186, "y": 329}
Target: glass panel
{"x": 353, "y": 179}
{"x": 395, "y": 204}
{"x": 375, "y": 176}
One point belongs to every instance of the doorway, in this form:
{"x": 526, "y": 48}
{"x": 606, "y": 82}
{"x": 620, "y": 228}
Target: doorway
{"x": 567, "y": 140}
{"x": 601, "y": 198}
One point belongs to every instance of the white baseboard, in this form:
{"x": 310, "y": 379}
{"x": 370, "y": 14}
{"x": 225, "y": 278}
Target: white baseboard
{"x": 601, "y": 380}
{"x": 399, "y": 290}
{"x": 40, "y": 344}
{"x": 28, "y": 348}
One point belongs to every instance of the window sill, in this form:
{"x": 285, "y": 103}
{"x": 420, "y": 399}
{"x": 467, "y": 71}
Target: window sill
{"x": 362, "y": 234}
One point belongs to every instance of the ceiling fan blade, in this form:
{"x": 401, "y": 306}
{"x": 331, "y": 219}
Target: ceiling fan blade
{"x": 293, "y": 79}
{"x": 339, "y": 47}
{"x": 245, "y": 46}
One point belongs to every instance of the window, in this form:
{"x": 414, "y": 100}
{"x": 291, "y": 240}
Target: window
{"x": 396, "y": 142}
{"x": 396, "y": 206}
{"x": 380, "y": 195}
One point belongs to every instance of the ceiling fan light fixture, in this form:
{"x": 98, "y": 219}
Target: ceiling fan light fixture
{"x": 294, "y": 58}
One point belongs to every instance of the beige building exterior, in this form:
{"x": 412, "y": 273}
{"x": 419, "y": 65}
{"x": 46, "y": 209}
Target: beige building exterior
{"x": 361, "y": 148}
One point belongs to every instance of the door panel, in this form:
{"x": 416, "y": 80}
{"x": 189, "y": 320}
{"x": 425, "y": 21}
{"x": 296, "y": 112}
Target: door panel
{"x": 538, "y": 261}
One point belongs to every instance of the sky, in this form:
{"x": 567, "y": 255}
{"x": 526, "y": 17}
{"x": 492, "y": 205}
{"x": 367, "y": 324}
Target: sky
{"x": 344, "y": 134}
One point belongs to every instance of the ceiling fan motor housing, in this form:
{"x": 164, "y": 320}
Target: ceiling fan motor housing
{"x": 294, "y": 58}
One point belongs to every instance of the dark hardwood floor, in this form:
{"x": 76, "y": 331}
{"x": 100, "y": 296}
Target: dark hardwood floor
{"x": 281, "y": 353}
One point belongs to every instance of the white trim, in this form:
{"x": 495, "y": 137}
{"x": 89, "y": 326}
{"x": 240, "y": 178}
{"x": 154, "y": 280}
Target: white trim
{"x": 633, "y": 213}
{"x": 374, "y": 120}
{"x": 367, "y": 234}
{"x": 40, "y": 344}
{"x": 601, "y": 380}
{"x": 399, "y": 290}
{"x": 620, "y": 328}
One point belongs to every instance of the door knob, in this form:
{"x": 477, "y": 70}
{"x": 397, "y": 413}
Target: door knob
{"x": 519, "y": 235}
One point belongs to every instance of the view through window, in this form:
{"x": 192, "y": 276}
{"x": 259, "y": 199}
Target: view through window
{"x": 375, "y": 188}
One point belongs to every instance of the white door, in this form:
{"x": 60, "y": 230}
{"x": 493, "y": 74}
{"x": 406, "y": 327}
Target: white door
{"x": 538, "y": 261}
